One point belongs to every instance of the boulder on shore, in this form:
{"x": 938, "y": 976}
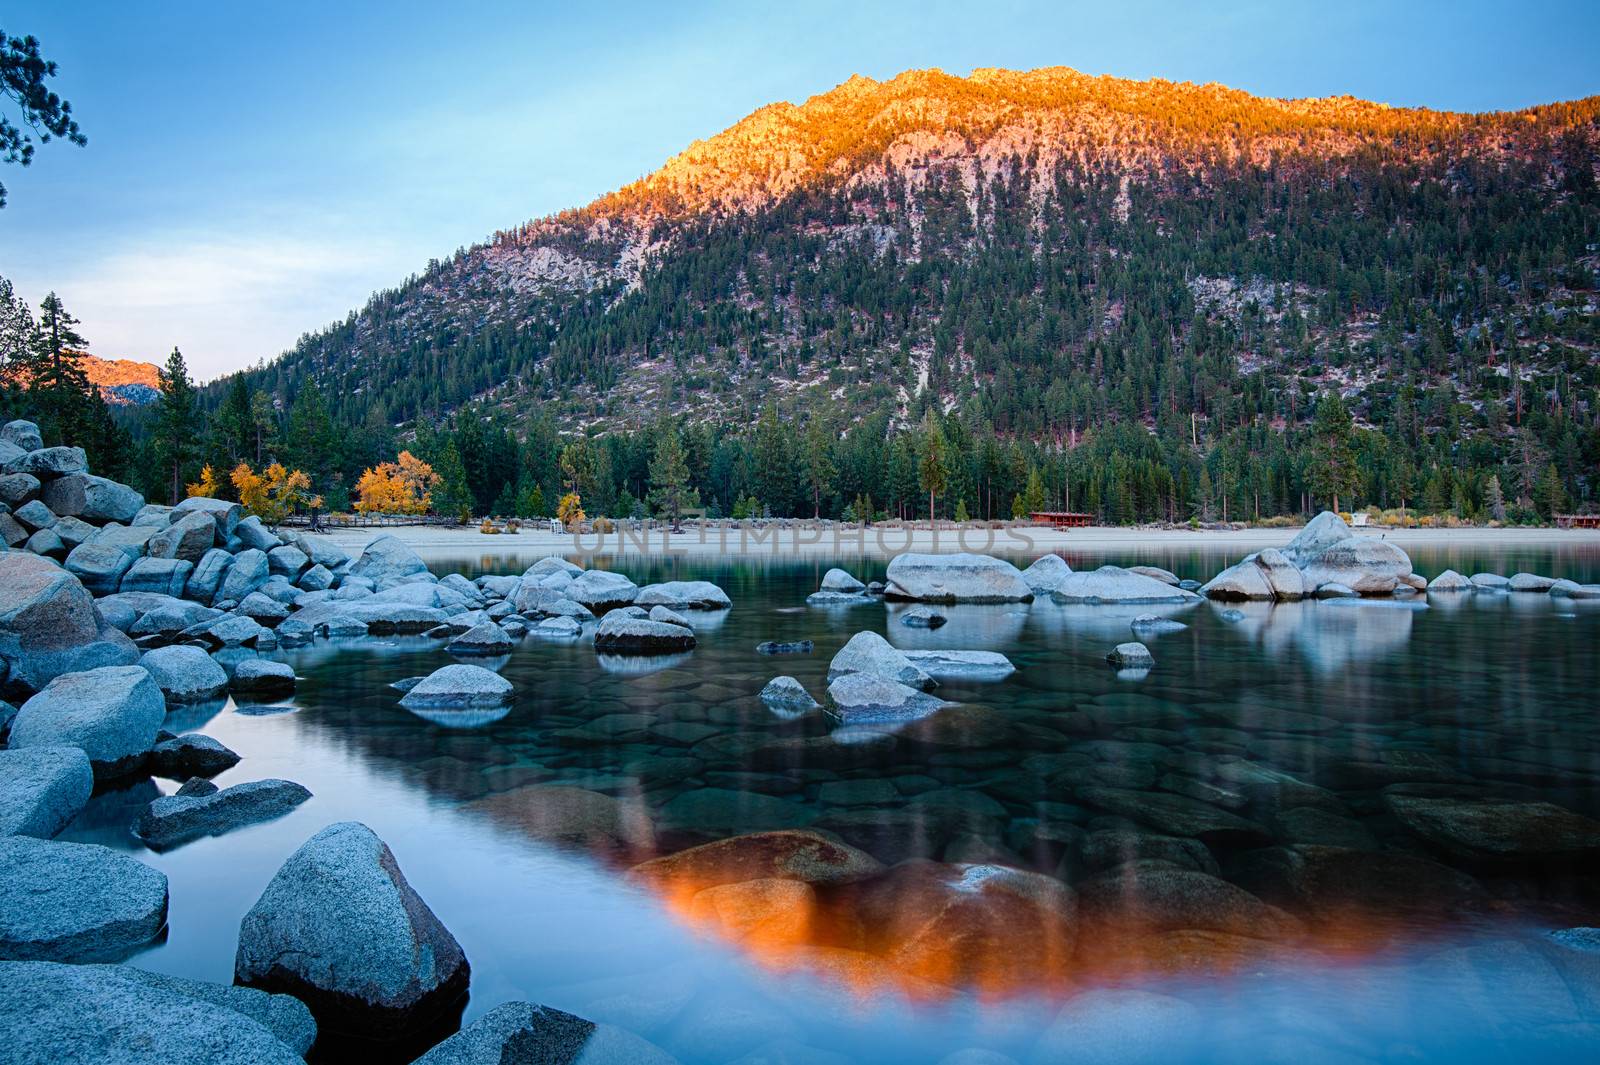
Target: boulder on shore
{"x": 113, "y": 713}
{"x": 75, "y": 901}
{"x": 958, "y": 578}
{"x": 341, "y": 929}
{"x": 48, "y": 622}
{"x": 184, "y": 673}
{"x": 52, "y": 1012}
{"x": 42, "y": 789}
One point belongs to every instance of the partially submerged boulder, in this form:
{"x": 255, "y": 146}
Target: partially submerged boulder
{"x": 601, "y": 590}
{"x": 459, "y": 686}
{"x": 1131, "y": 655}
{"x": 788, "y": 694}
{"x": 958, "y": 666}
{"x": 75, "y": 901}
{"x": 1266, "y": 574}
{"x": 958, "y": 578}
{"x": 189, "y": 756}
{"x": 341, "y": 929}
{"x": 1046, "y": 574}
{"x": 837, "y": 580}
{"x": 865, "y": 697}
{"x": 485, "y": 639}
{"x": 523, "y": 1032}
{"x": 1450, "y": 581}
{"x": 867, "y": 652}
{"x": 175, "y": 819}
{"x": 1113, "y": 584}
{"x": 621, "y": 633}
{"x": 683, "y": 595}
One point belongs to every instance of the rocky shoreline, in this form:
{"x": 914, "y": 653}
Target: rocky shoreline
{"x": 115, "y": 614}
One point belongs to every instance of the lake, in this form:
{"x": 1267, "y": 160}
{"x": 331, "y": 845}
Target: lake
{"x": 1261, "y": 837}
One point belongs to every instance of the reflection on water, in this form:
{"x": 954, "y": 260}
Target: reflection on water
{"x": 1320, "y": 832}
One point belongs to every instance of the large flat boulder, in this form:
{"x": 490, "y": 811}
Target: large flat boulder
{"x": 341, "y": 929}
{"x": 683, "y": 595}
{"x": 459, "y": 686}
{"x": 601, "y": 590}
{"x": 54, "y": 1014}
{"x": 1113, "y": 584}
{"x": 958, "y": 578}
{"x": 620, "y": 633}
{"x": 75, "y": 901}
{"x": 956, "y": 666}
{"x": 224, "y": 514}
{"x": 523, "y": 1032}
{"x": 857, "y": 698}
{"x": 42, "y": 789}
{"x": 176, "y": 819}
{"x": 867, "y": 652}
{"x": 113, "y": 713}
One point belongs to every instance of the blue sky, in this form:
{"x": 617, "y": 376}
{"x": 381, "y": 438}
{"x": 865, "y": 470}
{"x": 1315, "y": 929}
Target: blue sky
{"x": 255, "y": 171}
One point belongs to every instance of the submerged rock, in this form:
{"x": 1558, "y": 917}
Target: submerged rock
{"x": 341, "y": 929}
{"x": 75, "y": 901}
{"x": 839, "y": 599}
{"x": 797, "y": 647}
{"x": 577, "y": 816}
{"x": 1497, "y": 830}
{"x": 42, "y": 789}
{"x": 957, "y": 578}
{"x": 1146, "y": 625}
{"x": 788, "y": 854}
{"x": 174, "y": 819}
{"x": 962, "y": 665}
{"x": 921, "y": 617}
{"x": 521, "y": 1032}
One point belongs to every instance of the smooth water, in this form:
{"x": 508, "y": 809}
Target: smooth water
{"x": 1263, "y": 753}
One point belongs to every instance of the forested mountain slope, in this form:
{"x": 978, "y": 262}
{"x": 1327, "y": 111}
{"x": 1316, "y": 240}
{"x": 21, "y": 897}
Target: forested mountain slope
{"x": 1048, "y": 257}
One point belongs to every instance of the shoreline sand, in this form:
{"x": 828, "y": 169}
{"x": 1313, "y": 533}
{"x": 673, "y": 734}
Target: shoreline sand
{"x": 884, "y": 541}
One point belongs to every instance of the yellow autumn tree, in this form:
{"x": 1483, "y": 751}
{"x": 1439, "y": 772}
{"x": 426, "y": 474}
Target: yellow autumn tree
{"x": 207, "y": 484}
{"x": 399, "y": 487}
{"x": 275, "y": 492}
{"x": 570, "y": 510}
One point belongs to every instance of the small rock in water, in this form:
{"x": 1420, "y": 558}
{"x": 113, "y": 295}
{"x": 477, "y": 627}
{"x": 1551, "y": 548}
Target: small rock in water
{"x": 1131, "y": 656}
{"x": 263, "y": 676}
{"x": 524, "y": 1032}
{"x": 788, "y": 693}
{"x": 486, "y": 639}
{"x": 1231, "y": 615}
{"x": 921, "y": 617}
{"x": 405, "y": 684}
{"x": 558, "y": 628}
{"x": 190, "y": 756}
{"x": 1155, "y": 624}
{"x": 798, "y": 647}
{"x": 669, "y": 616}
{"x": 459, "y": 686}
{"x": 174, "y": 819}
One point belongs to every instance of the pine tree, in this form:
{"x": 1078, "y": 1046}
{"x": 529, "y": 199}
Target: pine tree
{"x": 452, "y": 496}
{"x": 669, "y": 472}
{"x": 177, "y": 437}
{"x": 1331, "y": 469}
{"x": 774, "y": 468}
{"x": 932, "y": 467}
{"x": 1494, "y": 498}
{"x": 820, "y": 468}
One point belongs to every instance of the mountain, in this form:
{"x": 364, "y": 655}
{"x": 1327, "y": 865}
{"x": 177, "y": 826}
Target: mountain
{"x": 122, "y": 381}
{"x": 1045, "y": 253}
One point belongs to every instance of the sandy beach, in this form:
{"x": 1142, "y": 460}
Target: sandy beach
{"x": 830, "y": 540}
